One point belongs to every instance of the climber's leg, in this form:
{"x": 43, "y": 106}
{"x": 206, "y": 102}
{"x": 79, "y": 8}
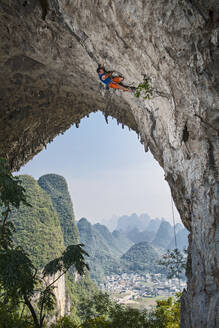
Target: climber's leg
{"x": 118, "y": 79}
{"x": 115, "y": 85}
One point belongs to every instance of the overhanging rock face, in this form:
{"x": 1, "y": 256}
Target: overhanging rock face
{"x": 48, "y": 82}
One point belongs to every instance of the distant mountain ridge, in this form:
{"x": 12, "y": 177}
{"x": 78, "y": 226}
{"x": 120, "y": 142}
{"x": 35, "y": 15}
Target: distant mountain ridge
{"x": 158, "y": 231}
{"x": 104, "y": 248}
{"x": 164, "y": 235}
{"x": 113, "y": 253}
{"x": 137, "y": 236}
{"x": 115, "y": 240}
{"x": 126, "y": 223}
{"x": 181, "y": 240}
{"x": 135, "y": 246}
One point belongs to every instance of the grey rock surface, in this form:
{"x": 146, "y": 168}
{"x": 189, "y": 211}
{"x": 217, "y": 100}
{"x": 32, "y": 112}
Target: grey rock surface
{"x": 48, "y": 82}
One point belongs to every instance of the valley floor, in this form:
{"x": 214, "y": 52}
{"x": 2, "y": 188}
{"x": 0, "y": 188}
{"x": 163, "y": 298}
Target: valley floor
{"x": 141, "y": 291}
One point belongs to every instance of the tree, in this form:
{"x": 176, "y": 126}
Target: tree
{"x": 101, "y": 312}
{"x": 99, "y": 322}
{"x": 12, "y": 194}
{"x": 175, "y": 263}
{"x": 97, "y": 305}
{"x": 20, "y": 281}
{"x": 65, "y": 322}
{"x": 166, "y": 314}
{"x": 11, "y": 318}
{"x": 124, "y": 316}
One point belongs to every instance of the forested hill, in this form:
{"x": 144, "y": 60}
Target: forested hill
{"x": 112, "y": 253}
{"x": 39, "y": 232}
{"x": 103, "y": 259}
{"x": 38, "y": 228}
{"x": 57, "y": 188}
{"x": 49, "y": 225}
{"x": 142, "y": 257}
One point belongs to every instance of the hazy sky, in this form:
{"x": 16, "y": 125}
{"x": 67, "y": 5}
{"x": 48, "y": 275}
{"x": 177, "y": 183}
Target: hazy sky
{"x": 107, "y": 170}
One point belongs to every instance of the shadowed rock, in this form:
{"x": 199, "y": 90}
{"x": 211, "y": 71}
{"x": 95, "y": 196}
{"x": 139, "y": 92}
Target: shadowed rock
{"x": 48, "y": 82}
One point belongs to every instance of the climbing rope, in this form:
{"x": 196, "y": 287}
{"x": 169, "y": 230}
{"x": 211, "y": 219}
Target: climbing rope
{"x": 174, "y": 230}
{"x": 174, "y": 225}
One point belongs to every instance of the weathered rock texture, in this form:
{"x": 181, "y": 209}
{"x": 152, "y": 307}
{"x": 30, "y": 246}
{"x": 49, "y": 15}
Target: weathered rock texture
{"x": 61, "y": 296}
{"x": 48, "y": 82}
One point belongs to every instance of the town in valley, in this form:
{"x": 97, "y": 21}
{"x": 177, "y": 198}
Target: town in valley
{"x": 141, "y": 290}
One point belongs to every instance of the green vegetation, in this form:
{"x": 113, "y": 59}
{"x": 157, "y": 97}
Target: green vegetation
{"x": 166, "y": 314}
{"x": 102, "y": 312}
{"x": 79, "y": 292}
{"x": 141, "y": 258}
{"x": 33, "y": 258}
{"x": 37, "y": 227}
{"x": 38, "y": 230}
{"x": 104, "y": 259}
{"x": 57, "y": 188}
{"x": 175, "y": 263}
{"x": 144, "y": 89}
{"x": 121, "y": 242}
{"x": 20, "y": 281}
{"x": 12, "y": 194}
{"x": 11, "y": 317}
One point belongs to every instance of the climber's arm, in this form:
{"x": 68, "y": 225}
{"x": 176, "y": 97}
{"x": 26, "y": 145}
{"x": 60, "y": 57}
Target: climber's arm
{"x": 102, "y": 64}
{"x": 105, "y": 76}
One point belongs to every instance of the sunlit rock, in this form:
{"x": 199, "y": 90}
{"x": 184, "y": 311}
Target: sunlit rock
{"x": 48, "y": 81}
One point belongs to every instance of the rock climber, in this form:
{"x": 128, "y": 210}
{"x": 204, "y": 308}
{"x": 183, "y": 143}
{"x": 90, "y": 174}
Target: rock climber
{"x": 111, "y": 82}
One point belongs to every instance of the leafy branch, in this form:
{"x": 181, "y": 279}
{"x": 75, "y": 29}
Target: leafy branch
{"x": 144, "y": 89}
{"x": 12, "y": 194}
{"x": 175, "y": 263}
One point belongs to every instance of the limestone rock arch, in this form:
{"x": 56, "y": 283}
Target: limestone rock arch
{"x": 49, "y": 51}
